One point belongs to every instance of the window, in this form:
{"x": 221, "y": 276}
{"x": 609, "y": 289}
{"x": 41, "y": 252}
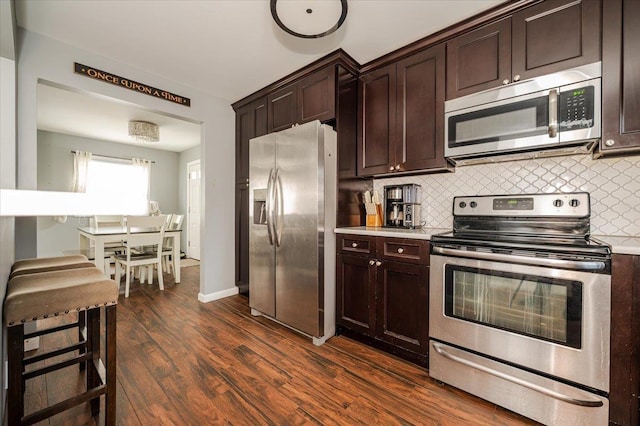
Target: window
{"x": 117, "y": 180}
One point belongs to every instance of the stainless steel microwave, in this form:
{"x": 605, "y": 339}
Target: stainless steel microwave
{"x": 554, "y": 114}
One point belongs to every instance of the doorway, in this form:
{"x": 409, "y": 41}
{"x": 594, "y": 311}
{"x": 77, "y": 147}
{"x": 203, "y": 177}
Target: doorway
{"x": 193, "y": 209}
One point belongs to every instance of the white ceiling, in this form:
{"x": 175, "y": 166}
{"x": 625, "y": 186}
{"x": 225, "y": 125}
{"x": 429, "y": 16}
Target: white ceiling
{"x": 228, "y": 48}
{"x": 91, "y": 116}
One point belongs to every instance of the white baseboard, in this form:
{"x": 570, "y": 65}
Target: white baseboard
{"x": 204, "y": 298}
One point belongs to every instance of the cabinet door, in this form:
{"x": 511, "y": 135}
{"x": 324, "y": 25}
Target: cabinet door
{"x": 283, "y": 112}
{"x": 242, "y": 238}
{"x": 420, "y": 110}
{"x": 479, "y": 60}
{"x": 347, "y": 124}
{"x": 621, "y": 76}
{"x": 251, "y": 121}
{"x": 377, "y": 118}
{"x": 355, "y": 283}
{"x": 317, "y": 96}
{"x": 555, "y": 35}
{"x": 624, "y": 404}
{"x": 402, "y": 309}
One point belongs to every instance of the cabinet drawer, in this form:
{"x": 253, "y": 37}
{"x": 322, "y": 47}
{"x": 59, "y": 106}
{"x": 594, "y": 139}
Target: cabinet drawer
{"x": 356, "y": 244}
{"x": 404, "y": 250}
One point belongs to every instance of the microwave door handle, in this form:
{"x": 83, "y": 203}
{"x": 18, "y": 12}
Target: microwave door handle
{"x": 553, "y": 113}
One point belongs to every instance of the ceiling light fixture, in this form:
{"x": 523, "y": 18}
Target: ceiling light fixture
{"x": 309, "y": 18}
{"x": 143, "y": 131}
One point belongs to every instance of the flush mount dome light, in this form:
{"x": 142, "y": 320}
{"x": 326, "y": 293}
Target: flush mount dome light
{"x": 143, "y": 131}
{"x": 309, "y": 18}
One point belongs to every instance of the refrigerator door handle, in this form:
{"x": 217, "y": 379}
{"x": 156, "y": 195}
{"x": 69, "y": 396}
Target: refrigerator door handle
{"x": 270, "y": 206}
{"x": 279, "y": 207}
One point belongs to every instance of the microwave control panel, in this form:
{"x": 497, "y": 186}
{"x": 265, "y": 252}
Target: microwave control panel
{"x": 576, "y": 109}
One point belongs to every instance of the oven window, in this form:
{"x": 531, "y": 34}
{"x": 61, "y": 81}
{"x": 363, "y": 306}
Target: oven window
{"x": 541, "y": 307}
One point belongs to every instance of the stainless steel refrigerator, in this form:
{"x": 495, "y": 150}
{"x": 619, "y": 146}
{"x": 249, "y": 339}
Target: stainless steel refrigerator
{"x": 292, "y": 212}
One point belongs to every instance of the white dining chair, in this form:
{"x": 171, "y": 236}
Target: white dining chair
{"x": 152, "y": 236}
{"x": 111, "y": 249}
{"x": 167, "y": 248}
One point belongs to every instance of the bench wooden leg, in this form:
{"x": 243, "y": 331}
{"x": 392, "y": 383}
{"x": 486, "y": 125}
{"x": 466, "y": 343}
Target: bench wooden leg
{"x": 15, "y": 356}
{"x": 93, "y": 347}
{"x": 110, "y": 349}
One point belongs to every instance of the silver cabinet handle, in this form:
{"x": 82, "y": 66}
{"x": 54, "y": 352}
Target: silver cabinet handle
{"x": 610, "y": 142}
{"x": 378, "y": 263}
{"x": 537, "y": 261}
{"x": 400, "y": 250}
{"x": 505, "y": 81}
{"x": 553, "y": 394}
{"x": 397, "y": 166}
{"x": 391, "y": 168}
{"x": 372, "y": 262}
{"x": 516, "y": 77}
{"x": 354, "y": 245}
{"x": 553, "y": 113}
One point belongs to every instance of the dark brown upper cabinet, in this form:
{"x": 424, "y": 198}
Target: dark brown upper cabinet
{"x": 283, "y": 108}
{"x": 547, "y": 37}
{"x": 621, "y": 77}
{"x": 311, "y": 98}
{"x": 316, "y": 96}
{"x": 251, "y": 122}
{"x": 400, "y": 114}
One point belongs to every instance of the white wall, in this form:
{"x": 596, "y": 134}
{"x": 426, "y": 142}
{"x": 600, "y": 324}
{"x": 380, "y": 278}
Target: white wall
{"x": 45, "y": 59}
{"x": 7, "y": 159}
{"x": 55, "y": 173}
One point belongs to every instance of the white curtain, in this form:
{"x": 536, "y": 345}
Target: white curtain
{"x": 143, "y": 171}
{"x": 81, "y": 160}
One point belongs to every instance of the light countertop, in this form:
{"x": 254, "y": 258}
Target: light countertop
{"x": 418, "y": 234}
{"x": 619, "y": 244}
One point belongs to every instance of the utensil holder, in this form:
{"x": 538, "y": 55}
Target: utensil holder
{"x": 375, "y": 220}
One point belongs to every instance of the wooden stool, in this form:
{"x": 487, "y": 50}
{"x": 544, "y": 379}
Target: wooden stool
{"x": 48, "y": 264}
{"x": 40, "y": 295}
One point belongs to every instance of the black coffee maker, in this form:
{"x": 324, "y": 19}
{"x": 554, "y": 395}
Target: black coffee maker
{"x": 402, "y": 206}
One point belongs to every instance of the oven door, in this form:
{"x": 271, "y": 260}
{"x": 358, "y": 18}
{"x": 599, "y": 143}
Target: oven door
{"x": 546, "y": 319}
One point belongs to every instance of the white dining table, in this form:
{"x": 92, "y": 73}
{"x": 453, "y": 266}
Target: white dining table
{"x": 113, "y": 234}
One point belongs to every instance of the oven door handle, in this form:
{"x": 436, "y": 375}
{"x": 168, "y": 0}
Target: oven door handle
{"x": 553, "y": 394}
{"x": 578, "y": 265}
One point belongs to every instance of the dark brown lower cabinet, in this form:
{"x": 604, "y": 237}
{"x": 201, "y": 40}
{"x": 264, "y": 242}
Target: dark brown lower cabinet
{"x": 624, "y": 387}
{"x": 356, "y": 293}
{"x": 382, "y": 302}
{"x": 403, "y": 305}
{"x": 242, "y": 238}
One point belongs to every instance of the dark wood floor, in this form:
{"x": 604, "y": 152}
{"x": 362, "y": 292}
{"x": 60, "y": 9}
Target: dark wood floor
{"x": 182, "y": 362}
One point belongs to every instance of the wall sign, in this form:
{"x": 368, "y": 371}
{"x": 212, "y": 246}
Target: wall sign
{"x": 130, "y": 84}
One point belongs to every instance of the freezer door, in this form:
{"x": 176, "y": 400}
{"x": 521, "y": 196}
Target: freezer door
{"x": 299, "y": 227}
{"x": 262, "y": 154}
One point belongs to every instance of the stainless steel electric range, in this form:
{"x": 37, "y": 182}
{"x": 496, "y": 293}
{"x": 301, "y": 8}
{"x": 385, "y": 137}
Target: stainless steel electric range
{"x": 520, "y": 302}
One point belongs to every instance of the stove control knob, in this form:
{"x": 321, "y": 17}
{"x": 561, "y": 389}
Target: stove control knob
{"x": 558, "y": 203}
{"x": 574, "y": 202}
{"x": 473, "y": 204}
{"x": 462, "y": 204}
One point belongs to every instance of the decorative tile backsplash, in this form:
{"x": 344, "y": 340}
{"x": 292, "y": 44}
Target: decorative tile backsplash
{"x": 613, "y": 183}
